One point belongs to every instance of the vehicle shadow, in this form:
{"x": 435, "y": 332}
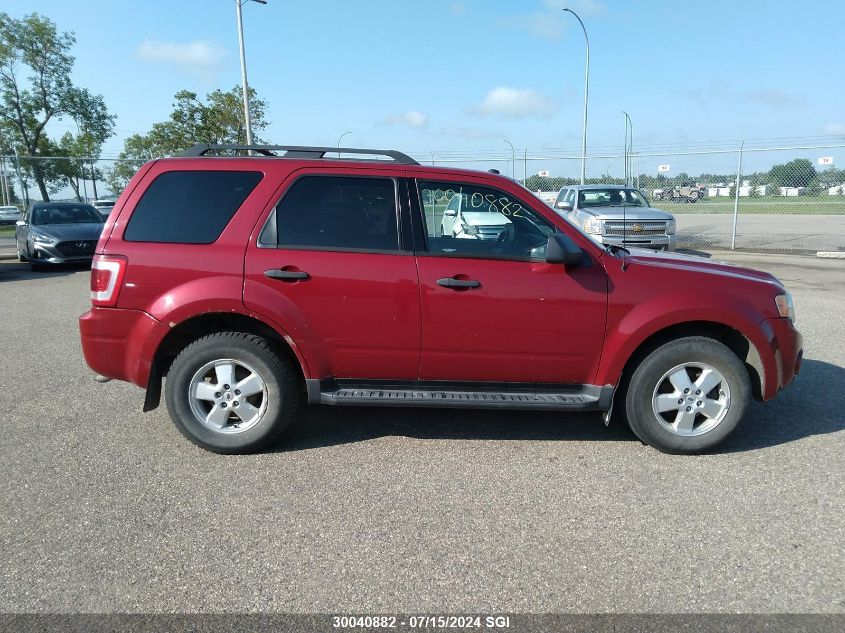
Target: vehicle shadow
{"x": 803, "y": 410}
{"x": 320, "y": 426}
{"x": 814, "y": 404}
{"x": 16, "y": 271}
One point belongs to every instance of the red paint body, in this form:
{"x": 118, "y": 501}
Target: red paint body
{"x": 382, "y": 316}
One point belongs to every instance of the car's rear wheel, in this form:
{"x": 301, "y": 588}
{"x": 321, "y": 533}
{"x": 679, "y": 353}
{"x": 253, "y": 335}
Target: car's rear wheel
{"x": 232, "y": 392}
{"x": 688, "y": 395}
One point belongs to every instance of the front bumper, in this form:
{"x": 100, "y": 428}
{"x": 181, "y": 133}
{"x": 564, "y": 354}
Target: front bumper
{"x": 782, "y": 356}
{"x": 661, "y": 242}
{"x": 50, "y": 254}
{"x": 121, "y": 344}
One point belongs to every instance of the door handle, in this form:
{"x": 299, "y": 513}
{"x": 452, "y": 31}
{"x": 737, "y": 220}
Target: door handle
{"x": 286, "y": 275}
{"x": 458, "y": 284}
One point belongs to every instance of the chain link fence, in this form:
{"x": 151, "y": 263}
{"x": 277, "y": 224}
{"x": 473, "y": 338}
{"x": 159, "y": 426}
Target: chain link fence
{"x": 781, "y": 199}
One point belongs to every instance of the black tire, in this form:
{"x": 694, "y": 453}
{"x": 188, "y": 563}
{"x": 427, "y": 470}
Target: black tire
{"x": 275, "y": 370}
{"x": 646, "y": 379}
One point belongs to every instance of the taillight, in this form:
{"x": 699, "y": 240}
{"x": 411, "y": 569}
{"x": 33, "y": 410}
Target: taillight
{"x": 106, "y": 279}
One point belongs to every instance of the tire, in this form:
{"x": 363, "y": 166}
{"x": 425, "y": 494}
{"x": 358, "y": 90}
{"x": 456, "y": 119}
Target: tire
{"x": 663, "y": 415}
{"x": 233, "y": 421}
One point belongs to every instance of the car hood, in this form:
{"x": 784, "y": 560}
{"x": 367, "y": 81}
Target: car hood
{"x": 694, "y": 263}
{"x": 630, "y": 213}
{"x": 484, "y": 218}
{"x": 63, "y": 232}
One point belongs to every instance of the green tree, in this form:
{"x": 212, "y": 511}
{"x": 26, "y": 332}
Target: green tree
{"x": 28, "y": 105}
{"x": 796, "y": 173}
{"x": 217, "y": 120}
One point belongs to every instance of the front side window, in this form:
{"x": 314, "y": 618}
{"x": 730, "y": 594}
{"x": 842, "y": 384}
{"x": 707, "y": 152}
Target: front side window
{"x": 338, "y": 212}
{"x": 465, "y": 220}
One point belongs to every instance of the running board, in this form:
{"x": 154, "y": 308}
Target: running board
{"x": 463, "y": 395}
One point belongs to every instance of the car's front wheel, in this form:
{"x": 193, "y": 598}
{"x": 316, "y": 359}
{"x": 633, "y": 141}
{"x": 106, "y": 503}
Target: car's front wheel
{"x": 688, "y": 395}
{"x": 232, "y": 392}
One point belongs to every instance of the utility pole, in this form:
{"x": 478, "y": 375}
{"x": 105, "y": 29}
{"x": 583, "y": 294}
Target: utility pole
{"x": 244, "y": 82}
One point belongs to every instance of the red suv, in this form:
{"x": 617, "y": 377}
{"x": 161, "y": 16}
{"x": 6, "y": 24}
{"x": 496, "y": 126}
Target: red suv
{"x": 256, "y": 282}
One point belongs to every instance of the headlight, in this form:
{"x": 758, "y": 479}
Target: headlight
{"x": 38, "y": 238}
{"x": 469, "y": 230}
{"x": 670, "y": 227}
{"x": 592, "y": 225}
{"x": 785, "y": 306}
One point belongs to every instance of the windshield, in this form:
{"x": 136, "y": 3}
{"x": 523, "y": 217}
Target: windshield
{"x": 610, "y": 198}
{"x": 81, "y": 214}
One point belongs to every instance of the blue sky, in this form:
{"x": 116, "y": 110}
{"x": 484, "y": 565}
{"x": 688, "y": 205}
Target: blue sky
{"x": 464, "y": 75}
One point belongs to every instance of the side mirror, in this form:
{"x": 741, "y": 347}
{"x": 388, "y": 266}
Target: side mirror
{"x": 450, "y": 213}
{"x": 562, "y": 250}
{"x": 20, "y": 223}
{"x": 564, "y": 206}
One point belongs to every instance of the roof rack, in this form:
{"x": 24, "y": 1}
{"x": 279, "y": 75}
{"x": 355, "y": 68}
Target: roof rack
{"x": 298, "y": 151}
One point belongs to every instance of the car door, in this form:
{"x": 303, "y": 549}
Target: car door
{"x": 493, "y": 309}
{"x": 330, "y": 267}
{"x": 22, "y": 233}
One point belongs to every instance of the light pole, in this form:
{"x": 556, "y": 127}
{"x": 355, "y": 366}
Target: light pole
{"x": 586, "y": 96}
{"x": 244, "y": 83}
{"x": 628, "y": 124}
{"x": 339, "y": 139}
{"x": 82, "y": 163}
{"x": 513, "y": 159}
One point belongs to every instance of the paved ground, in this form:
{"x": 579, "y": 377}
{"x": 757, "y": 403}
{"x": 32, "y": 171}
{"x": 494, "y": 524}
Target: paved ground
{"x": 806, "y": 233}
{"x": 103, "y": 508}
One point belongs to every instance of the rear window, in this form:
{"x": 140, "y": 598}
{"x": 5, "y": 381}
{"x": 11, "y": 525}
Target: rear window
{"x": 189, "y": 207}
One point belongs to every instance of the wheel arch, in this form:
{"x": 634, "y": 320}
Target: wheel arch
{"x": 201, "y": 325}
{"x": 733, "y": 339}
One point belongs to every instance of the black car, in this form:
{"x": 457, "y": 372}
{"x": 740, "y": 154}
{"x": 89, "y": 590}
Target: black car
{"x": 58, "y": 233}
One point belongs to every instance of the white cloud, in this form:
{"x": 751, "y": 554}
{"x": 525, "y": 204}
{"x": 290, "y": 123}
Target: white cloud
{"x": 547, "y": 26}
{"x": 517, "y": 102}
{"x": 834, "y": 128}
{"x": 458, "y": 8}
{"x": 197, "y": 56}
{"x": 412, "y": 118}
{"x": 550, "y": 22}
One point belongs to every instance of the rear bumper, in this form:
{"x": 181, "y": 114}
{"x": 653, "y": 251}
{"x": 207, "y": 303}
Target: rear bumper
{"x": 784, "y": 354}
{"x": 119, "y": 343}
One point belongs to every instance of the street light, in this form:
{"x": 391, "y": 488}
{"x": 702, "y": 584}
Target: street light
{"x": 586, "y": 96}
{"x": 627, "y": 150}
{"x": 339, "y": 139}
{"x": 244, "y": 84}
{"x": 513, "y": 159}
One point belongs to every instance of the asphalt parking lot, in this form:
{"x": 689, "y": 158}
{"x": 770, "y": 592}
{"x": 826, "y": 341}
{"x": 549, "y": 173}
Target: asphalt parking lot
{"x": 104, "y": 509}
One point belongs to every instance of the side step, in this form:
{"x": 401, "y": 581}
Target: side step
{"x": 480, "y": 396}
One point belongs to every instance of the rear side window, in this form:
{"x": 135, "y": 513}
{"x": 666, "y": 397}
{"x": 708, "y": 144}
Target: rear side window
{"x": 339, "y": 212}
{"x": 189, "y": 207}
